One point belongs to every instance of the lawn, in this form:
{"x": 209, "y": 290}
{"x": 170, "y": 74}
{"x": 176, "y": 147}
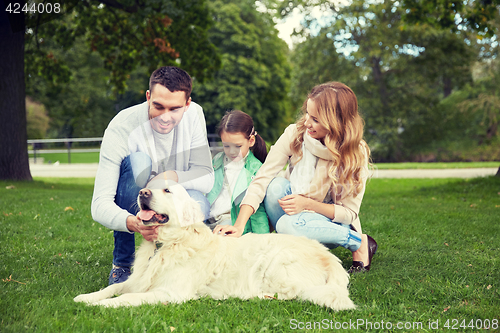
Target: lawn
{"x": 437, "y": 165}
{"x": 437, "y": 266}
{"x": 76, "y": 157}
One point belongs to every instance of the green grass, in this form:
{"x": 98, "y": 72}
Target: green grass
{"x": 437, "y": 165}
{"x": 437, "y": 261}
{"x": 63, "y": 157}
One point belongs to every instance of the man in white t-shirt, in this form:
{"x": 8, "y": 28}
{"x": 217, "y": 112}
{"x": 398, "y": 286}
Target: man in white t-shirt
{"x": 162, "y": 138}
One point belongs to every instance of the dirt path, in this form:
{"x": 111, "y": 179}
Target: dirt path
{"x": 88, "y": 170}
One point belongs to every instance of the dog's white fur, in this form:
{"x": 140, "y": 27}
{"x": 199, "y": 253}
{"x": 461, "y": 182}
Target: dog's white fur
{"x": 193, "y": 263}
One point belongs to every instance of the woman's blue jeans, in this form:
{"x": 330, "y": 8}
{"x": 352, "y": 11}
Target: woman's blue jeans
{"x": 134, "y": 174}
{"x": 309, "y": 224}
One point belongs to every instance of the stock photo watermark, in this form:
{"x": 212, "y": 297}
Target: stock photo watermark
{"x": 364, "y": 324}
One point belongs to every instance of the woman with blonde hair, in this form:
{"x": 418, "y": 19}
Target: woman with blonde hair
{"x": 325, "y": 179}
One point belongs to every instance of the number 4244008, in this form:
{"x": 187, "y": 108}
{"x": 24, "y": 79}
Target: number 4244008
{"x": 455, "y": 324}
{"x": 15, "y": 8}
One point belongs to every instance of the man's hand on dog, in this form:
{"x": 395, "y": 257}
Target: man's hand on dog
{"x": 135, "y": 224}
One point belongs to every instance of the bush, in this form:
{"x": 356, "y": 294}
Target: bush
{"x": 37, "y": 119}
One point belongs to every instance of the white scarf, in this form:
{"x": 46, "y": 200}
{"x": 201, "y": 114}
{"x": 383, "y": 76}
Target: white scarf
{"x": 303, "y": 172}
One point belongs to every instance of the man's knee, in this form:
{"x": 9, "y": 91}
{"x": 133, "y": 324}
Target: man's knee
{"x": 141, "y": 166}
{"x": 134, "y": 173}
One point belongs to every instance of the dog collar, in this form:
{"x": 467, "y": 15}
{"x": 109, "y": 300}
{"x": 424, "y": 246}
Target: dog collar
{"x": 158, "y": 246}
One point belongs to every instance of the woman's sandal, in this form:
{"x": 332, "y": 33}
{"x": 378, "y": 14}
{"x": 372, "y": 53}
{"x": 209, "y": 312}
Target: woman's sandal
{"x": 358, "y": 266}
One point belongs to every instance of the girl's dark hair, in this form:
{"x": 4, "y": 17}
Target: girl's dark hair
{"x": 237, "y": 121}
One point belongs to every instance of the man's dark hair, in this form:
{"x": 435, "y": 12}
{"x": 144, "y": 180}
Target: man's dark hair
{"x": 172, "y": 78}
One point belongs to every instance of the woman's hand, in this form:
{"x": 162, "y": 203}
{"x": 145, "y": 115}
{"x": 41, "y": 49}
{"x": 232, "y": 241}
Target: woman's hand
{"x": 228, "y": 230}
{"x": 294, "y": 203}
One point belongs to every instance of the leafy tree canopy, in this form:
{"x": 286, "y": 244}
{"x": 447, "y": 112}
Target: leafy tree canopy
{"x": 83, "y": 106}
{"x": 398, "y": 72}
{"x": 38, "y": 120}
{"x": 126, "y": 34}
{"x": 254, "y": 77}
{"x": 454, "y": 14}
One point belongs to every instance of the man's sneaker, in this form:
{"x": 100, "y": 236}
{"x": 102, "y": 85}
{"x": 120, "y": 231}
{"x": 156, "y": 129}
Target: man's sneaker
{"x": 119, "y": 275}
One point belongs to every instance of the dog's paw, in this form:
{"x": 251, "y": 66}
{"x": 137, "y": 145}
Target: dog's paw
{"x": 87, "y": 298}
{"x": 83, "y": 298}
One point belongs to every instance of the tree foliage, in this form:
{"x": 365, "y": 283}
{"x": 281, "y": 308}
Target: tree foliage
{"x": 80, "y": 65}
{"x": 127, "y": 35}
{"x": 255, "y": 73}
{"x": 37, "y": 119}
{"x": 83, "y": 106}
{"x": 283, "y": 8}
{"x": 454, "y": 14}
{"x": 451, "y": 15}
{"x": 399, "y": 72}
{"x": 483, "y": 102}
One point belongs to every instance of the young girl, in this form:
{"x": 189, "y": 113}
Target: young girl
{"x": 244, "y": 153}
{"x": 326, "y": 177}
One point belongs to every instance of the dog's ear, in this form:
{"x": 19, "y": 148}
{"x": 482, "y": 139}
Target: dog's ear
{"x": 191, "y": 213}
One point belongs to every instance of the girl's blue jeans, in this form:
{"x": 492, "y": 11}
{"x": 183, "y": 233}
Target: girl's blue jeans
{"x": 134, "y": 174}
{"x": 309, "y": 224}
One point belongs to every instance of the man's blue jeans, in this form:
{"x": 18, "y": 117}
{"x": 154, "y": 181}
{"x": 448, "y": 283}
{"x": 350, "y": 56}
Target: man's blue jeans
{"x": 309, "y": 224}
{"x": 134, "y": 174}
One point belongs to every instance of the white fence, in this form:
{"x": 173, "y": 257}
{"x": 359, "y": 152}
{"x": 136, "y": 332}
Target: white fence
{"x": 37, "y": 150}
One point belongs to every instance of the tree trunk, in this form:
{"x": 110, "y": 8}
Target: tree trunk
{"x": 379, "y": 80}
{"x": 491, "y": 132}
{"x": 447, "y": 87}
{"x": 14, "y": 163}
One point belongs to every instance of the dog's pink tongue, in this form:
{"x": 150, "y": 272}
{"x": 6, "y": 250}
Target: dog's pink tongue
{"x": 146, "y": 215}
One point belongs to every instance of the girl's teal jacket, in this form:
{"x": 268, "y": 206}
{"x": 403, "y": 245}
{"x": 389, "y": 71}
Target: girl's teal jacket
{"x": 258, "y": 222}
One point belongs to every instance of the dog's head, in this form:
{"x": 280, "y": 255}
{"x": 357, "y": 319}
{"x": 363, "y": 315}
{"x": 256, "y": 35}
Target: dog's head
{"x": 171, "y": 204}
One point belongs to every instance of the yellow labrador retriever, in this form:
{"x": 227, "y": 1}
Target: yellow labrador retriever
{"x": 188, "y": 262}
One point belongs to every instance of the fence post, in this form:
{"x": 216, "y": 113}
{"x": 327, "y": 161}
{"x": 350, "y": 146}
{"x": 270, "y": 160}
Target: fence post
{"x": 69, "y": 151}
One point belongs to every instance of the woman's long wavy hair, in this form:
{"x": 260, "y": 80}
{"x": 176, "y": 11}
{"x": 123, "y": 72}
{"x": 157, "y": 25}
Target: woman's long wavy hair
{"x": 337, "y": 109}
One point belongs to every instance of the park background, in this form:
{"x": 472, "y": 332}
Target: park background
{"x": 425, "y": 72}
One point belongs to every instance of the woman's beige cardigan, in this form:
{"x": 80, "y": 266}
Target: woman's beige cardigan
{"x": 346, "y": 209}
